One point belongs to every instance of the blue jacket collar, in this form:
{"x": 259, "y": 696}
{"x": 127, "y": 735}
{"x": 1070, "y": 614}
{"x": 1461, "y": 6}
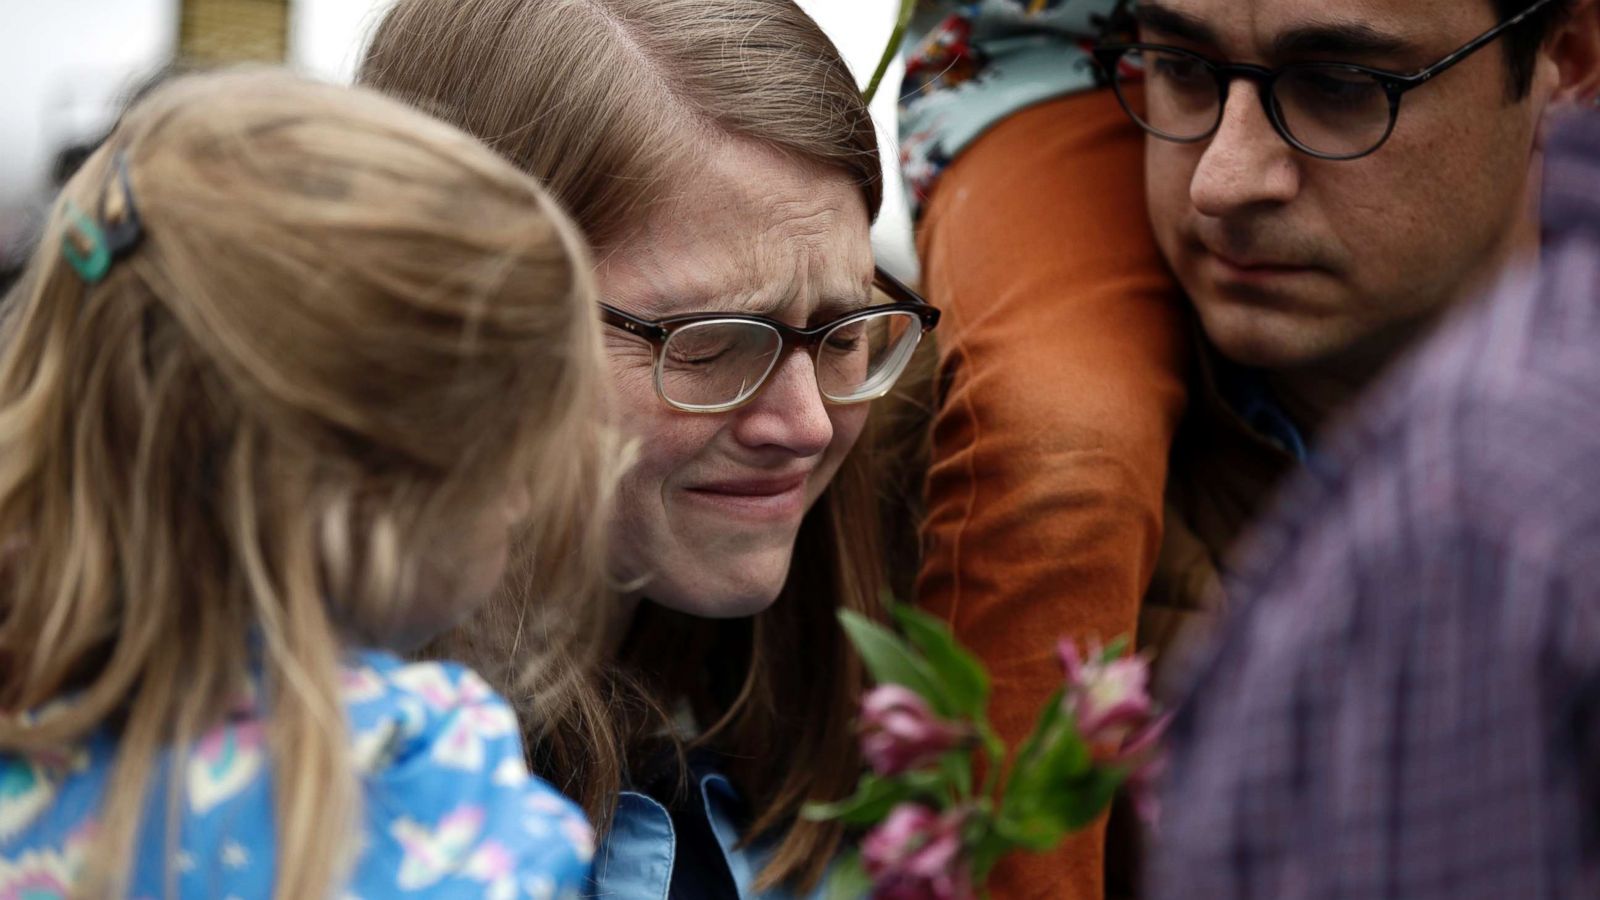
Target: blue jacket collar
{"x": 635, "y": 859}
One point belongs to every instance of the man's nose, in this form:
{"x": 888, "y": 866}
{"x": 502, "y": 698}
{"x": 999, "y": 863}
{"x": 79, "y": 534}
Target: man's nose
{"x": 1246, "y": 162}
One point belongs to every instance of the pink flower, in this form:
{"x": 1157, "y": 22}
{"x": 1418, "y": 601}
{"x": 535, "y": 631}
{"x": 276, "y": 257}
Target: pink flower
{"x": 1141, "y": 784}
{"x": 1110, "y": 702}
{"x": 916, "y": 854}
{"x": 899, "y": 732}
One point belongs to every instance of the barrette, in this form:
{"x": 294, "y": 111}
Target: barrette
{"x": 92, "y": 244}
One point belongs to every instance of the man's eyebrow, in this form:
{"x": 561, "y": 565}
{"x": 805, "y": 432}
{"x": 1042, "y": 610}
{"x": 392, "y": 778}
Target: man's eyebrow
{"x": 1330, "y": 39}
{"x": 1171, "y": 22}
{"x": 1341, "y": 39}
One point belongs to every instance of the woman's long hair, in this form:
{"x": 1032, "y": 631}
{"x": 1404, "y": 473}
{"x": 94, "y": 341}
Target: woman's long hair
{"x": 258, "y": 439}
{"x": 607, "y": 101}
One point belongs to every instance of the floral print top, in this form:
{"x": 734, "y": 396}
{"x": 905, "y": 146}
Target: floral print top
{"x": 971, "y": 63}
{"x": 449, "y": 807}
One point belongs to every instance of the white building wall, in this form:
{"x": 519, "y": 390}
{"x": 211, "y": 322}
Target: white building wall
{"x": 65, "y": 64}
{"x": 326, "y": 36}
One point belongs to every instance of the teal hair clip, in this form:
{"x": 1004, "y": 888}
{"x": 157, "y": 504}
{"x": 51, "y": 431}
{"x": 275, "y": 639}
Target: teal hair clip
{"x": 85, "y": 245}
{"x": 92, "y": 244}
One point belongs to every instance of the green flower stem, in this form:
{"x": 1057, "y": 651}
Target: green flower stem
{"x": 958, "y": 777}
{"x": 987, "y": 852}
{"x": 898, "y": 36}
{"x": 995, "y": 750}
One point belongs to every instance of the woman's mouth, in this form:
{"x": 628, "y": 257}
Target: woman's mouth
{"x": 763, "y": 499}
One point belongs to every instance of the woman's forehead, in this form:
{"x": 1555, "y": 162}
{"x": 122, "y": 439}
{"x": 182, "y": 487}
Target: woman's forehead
{"x": 751, "y": 231}
{"x": 782, "y": 285}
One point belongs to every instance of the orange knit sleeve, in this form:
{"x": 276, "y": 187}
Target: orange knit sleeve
{"x": 1062, "y": 355}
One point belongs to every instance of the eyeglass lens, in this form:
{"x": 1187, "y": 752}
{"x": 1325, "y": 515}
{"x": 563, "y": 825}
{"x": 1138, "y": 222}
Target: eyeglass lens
{"x": 862, "y": 358}
{"x": 1331, "y": 109}
{"x": 720, "y": 363}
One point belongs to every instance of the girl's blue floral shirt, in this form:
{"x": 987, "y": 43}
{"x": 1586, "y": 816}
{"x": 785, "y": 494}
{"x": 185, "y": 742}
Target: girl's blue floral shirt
{"x": 450, "y": 809}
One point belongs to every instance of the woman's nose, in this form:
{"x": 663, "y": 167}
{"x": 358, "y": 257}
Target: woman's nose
{"x": 788, "y": 412}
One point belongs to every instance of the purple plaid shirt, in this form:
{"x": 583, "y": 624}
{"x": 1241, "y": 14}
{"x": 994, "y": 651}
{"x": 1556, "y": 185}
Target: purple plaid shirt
{"x": 1407, "y": 704}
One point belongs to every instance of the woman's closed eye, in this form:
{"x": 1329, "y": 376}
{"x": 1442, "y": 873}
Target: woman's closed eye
{"x": 699, "y": 346}
{"x": 682, "y": 358}
{"x": 846, "y": 339}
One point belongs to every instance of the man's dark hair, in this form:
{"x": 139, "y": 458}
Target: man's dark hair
{"x": 1522, "y": 44}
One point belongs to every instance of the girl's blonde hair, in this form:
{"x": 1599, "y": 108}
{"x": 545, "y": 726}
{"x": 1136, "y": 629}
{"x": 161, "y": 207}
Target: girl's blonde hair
{"x": 347, "y": 329}
{"x": 609, "y": 103}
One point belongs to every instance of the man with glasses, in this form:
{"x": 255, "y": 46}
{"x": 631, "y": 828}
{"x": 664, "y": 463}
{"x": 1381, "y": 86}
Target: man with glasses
{"x": 1327, "y": 175}
{"x": 1326, "y": 178}
{"x": 1309, "y": 266}
{"x": 1408, "y": 703}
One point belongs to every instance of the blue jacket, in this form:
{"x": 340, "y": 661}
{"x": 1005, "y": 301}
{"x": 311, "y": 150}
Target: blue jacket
{"x": 635, "y": 860}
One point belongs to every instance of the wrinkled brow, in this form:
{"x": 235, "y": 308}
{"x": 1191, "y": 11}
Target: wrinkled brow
{"x": 772, "y": 304}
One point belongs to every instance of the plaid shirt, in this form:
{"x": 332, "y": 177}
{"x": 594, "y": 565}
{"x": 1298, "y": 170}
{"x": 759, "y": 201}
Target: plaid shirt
{"x": 1408, "y": 703}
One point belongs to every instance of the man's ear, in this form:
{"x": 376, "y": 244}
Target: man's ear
{"x": 1574, "y": 48}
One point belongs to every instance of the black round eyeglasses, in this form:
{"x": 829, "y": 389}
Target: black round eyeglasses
{"x": 1330, "y": 110}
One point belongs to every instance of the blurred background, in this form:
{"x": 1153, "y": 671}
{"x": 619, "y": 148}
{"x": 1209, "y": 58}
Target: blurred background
{"x": 67, "y": 66}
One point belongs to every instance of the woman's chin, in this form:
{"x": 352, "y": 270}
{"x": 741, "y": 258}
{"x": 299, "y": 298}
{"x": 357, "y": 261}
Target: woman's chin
{"x": 730, "y": 597}
{"x": 709, "y": 576}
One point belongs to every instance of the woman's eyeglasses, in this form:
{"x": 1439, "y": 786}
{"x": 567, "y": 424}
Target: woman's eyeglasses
{"x": 1330, "y": 110}
{"x": 716, "y": 362}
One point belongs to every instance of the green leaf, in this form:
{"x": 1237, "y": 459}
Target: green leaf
{"x": 1050, "y": 719}
{"x": 957, "y": 771}
{"x": 1038, "y": 832}
{"x": 1041, "y": 823}
{"x": 930, "y": 784}
{"x": 1039, "y": 775}
{"x": 1087, "y": 798}
{"x": 1056, "y": 792}
{"x": 1061, "y": 759}
{"x": 957, "y": 670}
{"x": 872, "y": 801}
{"x": 1115, "y": 650}
{"x": 988, "y": 850}
{"x": 1025, "y": 778}
{"x": 891, "y": 662}
{"x": 847, "y": 879}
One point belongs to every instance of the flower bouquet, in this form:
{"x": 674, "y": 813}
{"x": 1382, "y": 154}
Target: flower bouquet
{"x": 932, "y": 831}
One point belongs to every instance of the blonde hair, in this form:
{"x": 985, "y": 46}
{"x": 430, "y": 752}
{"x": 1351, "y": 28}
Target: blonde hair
{"x": 347, "y": 329}
{"x": 609, "y": 102}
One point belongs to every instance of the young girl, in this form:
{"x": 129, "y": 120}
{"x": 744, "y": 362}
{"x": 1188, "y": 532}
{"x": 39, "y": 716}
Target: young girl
{"x": 270, "y": 396}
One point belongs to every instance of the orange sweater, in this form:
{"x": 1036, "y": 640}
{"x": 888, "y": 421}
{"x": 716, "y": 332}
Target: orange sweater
{"x": 1063, "y": 354}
